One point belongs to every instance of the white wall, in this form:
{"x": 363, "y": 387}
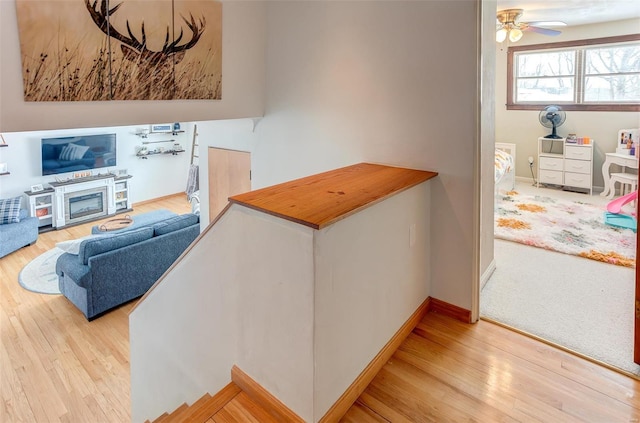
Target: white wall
{"x": 371, "y": 275}
{"x": 154, "y": 177}
{"x": 487, "y": 136}
{"x": 242, "y": 82}
{"x": 385, "y": 82}
{"x": 523, "y": 128}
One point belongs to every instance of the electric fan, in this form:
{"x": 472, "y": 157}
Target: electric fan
{"x": 552, "y": 117}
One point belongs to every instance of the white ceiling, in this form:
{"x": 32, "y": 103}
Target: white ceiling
{"x": 574, "y": 12}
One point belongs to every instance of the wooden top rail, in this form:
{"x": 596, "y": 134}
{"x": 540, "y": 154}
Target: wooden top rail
{"x": 320, "y": 200}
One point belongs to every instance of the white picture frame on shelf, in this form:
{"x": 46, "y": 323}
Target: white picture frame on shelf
{"x": 4, "y": 168}
{"x": 121, "y": 172}
{"x": 162, "y": 127}
{"x": 37, "y": 188}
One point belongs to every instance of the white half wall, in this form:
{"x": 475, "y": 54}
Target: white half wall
{"x": 243, "y": 69}
{"x": 183, "y": 337}
{"x": 302, "y": 312}
{"x": 371, "y": 276}
{"x": 523, "y": 128}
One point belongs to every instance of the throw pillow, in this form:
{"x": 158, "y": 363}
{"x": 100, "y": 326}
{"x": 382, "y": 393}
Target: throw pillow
{"x": 10, "y": 210}
{"x": 72, "y": 246}
{"x": 73, "y": 152}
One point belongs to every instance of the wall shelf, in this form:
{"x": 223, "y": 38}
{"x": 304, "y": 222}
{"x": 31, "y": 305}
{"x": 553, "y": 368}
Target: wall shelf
{"x": 145, "y": 134}
{"x": 156, "y": 153}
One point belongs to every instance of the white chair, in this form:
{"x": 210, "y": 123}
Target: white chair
{"x": 628, "y": 183}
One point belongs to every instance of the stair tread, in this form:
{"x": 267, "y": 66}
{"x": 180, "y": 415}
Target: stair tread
{"x": 185, "y": 412}
{"x": 212, "y": 405}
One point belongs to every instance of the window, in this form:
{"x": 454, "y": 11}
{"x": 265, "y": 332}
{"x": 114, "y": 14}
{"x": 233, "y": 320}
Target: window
{"x": 598, "y": 74}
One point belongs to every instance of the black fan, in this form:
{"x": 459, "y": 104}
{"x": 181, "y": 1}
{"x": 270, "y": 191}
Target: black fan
{"x": 552, "y": 117}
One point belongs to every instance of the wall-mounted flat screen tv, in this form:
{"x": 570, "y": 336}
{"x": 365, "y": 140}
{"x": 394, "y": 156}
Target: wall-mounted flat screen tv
{"x": 74, "y": 154}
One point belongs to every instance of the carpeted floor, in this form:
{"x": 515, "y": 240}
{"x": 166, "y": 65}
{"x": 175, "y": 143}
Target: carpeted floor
{"x": 584, "y": 305}
{"x": 39, "y": 275}
{"x": 567, "y": 226}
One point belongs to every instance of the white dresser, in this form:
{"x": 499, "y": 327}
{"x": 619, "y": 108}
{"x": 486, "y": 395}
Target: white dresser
{"x": 565, "y": 164}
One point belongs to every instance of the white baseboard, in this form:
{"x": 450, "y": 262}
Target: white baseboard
{"x": 596, "y": 188}
{"x": 486, "y": 275}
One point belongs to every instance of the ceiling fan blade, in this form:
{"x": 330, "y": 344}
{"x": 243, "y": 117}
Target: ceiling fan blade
{"x": 543, "y": 31}
{"x": 547, "y": 23}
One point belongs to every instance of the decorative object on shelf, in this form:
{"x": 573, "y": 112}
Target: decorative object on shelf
{"x": 82, "y": 174}
{"x": 162, "y": 127}
{"x": 629, "y": 141}
{"x": 176, "y": 126}
{"x": 37, "y": 188}
{"x": 142, "y": 133}
{"x": 121, "y": 172}
{"x": 3, "y": 143}
{"x": 4, "y": 168}
{"x": 42, "y": 212}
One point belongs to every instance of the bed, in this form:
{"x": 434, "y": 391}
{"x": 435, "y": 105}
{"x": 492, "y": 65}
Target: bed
{"x": 505, "y": 166}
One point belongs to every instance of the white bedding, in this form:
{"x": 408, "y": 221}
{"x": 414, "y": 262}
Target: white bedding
{"x": 503, "y": 164}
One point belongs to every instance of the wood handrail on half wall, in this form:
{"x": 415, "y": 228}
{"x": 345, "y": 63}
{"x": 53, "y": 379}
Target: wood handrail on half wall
{"x": 320, "y": 200}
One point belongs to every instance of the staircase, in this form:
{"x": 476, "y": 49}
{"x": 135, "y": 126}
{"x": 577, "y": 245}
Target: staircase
{"x": 231, "y": 404}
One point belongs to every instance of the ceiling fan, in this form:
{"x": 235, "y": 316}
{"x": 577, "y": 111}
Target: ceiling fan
{"x": 509, "y": 25}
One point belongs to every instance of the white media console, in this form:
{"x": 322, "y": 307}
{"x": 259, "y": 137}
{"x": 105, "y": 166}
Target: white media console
{"x": 79, "y": 200}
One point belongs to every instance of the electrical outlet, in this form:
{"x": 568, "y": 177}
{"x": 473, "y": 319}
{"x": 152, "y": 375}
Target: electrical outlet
{"x": 530, "y": 160}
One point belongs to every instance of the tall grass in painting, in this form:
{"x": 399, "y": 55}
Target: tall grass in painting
{"x": 67, "y": 75}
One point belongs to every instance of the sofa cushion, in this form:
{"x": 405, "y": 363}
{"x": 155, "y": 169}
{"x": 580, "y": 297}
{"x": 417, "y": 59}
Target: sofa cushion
{"x": 10, "y": 210}
{"x": 101, "y": 244}
{"x": 24, "y": 213}
{"x": 175, "y": 223}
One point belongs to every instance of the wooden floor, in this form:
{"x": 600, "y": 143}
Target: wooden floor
{"x": 448, "y": 371}
{"x": 57, "y": 367}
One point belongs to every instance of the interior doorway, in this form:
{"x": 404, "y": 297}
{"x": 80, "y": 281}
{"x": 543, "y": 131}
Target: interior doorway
{"x": 229, "y": 174}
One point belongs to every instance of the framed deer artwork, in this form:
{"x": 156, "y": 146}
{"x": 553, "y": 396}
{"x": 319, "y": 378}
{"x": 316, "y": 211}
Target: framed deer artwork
{"x": 93, "y": 50}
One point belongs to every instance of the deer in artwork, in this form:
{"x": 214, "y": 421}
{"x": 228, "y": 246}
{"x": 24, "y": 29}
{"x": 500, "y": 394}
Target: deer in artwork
{"x": 155, "y": 68}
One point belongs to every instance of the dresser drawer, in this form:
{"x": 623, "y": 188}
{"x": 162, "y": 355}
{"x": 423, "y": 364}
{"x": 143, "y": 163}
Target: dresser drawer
{"x": 551, "y": 163}
{"x": 550, "y": 177}
{"x": 579, "y": 180}
{"x": 578, "y": 153}
{"x": 577, "y": 166}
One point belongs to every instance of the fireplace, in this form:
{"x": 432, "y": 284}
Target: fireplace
{"x": 85, "y": 205}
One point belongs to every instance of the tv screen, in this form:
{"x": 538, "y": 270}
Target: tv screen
{"x": 74, "y": 154}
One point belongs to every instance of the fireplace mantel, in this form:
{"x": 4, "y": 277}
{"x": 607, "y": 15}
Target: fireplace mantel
{"x": 83, "y": 186}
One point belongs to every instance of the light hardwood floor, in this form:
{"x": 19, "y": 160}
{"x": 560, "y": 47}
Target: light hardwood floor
{"x": 57, "y": 367}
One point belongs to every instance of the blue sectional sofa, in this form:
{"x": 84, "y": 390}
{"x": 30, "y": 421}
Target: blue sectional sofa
{"x": 14, "y": 236}
{"x": 113, "y": 268}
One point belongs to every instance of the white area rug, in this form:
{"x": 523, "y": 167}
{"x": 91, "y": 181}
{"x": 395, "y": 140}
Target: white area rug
{"x": 584, "y": 305}
{"x": 39, "y": 275}
{"x": 567, "y": 226}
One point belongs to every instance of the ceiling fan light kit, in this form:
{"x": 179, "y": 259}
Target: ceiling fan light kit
{"x": 510, "y": 26}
